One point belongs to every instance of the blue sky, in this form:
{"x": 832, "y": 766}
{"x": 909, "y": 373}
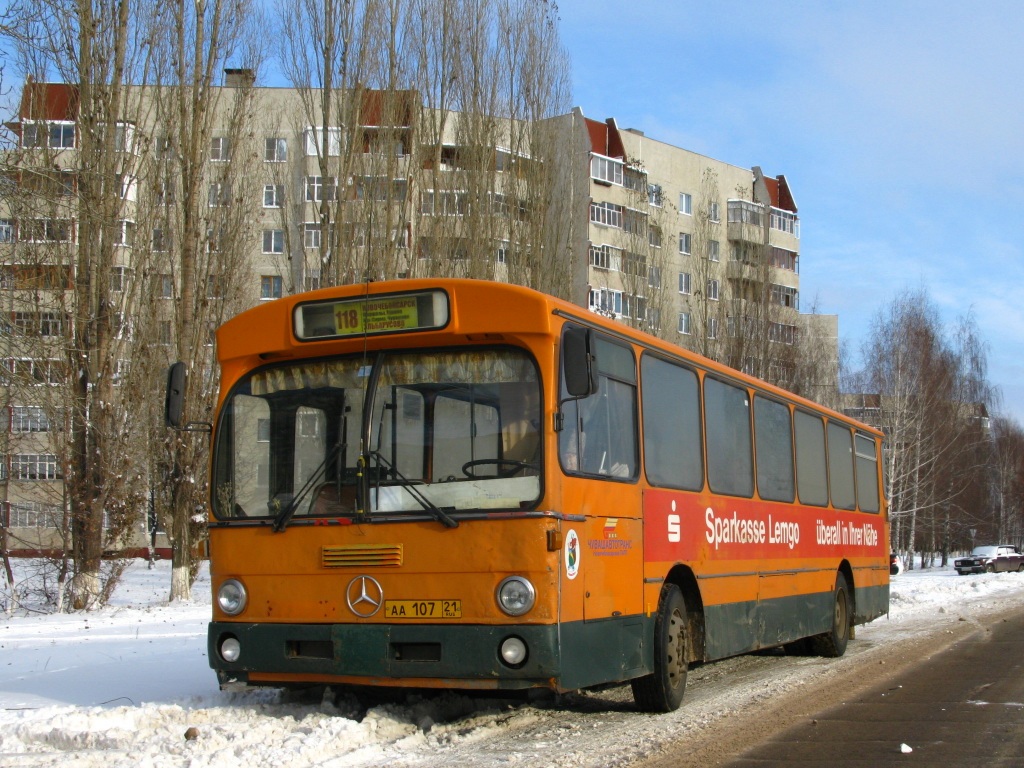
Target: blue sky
{"x": 899, "y": 125}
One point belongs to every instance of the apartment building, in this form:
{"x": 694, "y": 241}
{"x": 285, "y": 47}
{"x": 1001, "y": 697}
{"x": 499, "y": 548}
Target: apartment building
{"x": 684, "y": 246}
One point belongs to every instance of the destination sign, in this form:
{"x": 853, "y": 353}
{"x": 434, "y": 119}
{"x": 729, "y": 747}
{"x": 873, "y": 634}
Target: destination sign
{"x": 369, "y": 315}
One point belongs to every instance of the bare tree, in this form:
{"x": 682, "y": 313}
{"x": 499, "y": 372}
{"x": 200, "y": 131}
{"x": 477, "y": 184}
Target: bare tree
{"x": 710, "y": 293}
{"x": 1008, "y": 480}
{"x": 934, "y": 396}
{"x": 204, "y": 194}
{"x": 97, "y": 48}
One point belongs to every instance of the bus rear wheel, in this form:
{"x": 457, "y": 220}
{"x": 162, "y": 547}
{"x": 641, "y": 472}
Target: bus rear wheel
{"x": 833, "y": 643}
{"x": 662, "y": 691}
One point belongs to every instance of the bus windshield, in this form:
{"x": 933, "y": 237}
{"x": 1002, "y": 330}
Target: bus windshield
{"x": 434, "y": 432}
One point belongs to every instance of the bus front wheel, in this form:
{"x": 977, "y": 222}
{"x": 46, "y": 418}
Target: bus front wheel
{"x": 833, "y": 643}
{"x": 662, "y": 691}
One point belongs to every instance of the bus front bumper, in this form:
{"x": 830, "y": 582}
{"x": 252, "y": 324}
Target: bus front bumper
{"x": 423, "y": 655}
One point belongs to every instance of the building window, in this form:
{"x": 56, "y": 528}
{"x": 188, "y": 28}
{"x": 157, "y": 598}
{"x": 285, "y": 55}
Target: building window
{"x": 744, "y": 212}
{"x": 714, "y": 212}
{"x": 606, "y": 301}
{"x": 31, "y": 371}
{"x": 270, "y": 287}
{"x": 312, "y": 281}
{"x": 276, "y": 150}
{"x": 164, "y": 193}
{"x": 161, "y": 240}
{"x": 712, "y": 327}
{"x": 273, "y": 196}
{"x": 654, "y": 277}
{"x": 654, "y": 195}
{"x": 29, "y": 418}
{"x": 684, "y": 283}
{"x": 164, "y": 287}
{"x": 785, "y": 297}
{"x": 30, "y": 514}
{"x": 685, "y": 243}
{"x": 311, "y": 235}
{"x": 34, "y": 466}
{"x": 320, "y": 188}
{"x": 444, "y": 203}
{"x": 379, "y": 188}
{"x": 124, "y": 138}
{"x": 784, "y": 221}
{"x": 782, "y": 333}
{"x": 6, "y": 231}
{"x": 220, "y": 149}
{"x": 684, "y": 323}
{"x": 652, "y": 317}
{"x": 118, "y": 279}
{"x": 122, "y": 326}
{"x": 317, "y": 137}
{"x": 220, "y": 195}
{"x": 654, "y": 236}
{"x": 606, "y": 214}
{"x": 124, "y": 234}
{"x": 713, "y": 289}
{"x": 686, "y": 203}
{"x": 606, "y": 169}
{"x": 41, "y": 324}
{"x": 52, "y": 135}
{"x": 46, "y": 231}
{"x": 783, "y": 259}
{"x": 215, "y": 287}
{"x": 714, "y": 252}
{"x": 273, "y": 241}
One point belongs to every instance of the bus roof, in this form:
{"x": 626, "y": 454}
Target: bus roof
{"x": 479, "y": 310}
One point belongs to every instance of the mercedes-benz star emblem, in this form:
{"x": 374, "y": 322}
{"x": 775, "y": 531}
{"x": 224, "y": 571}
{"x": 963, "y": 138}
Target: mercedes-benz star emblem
{"x": 364, "y": 596}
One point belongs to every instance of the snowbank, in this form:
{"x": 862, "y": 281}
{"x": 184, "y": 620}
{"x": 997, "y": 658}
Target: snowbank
{"x": 129, "y": 685}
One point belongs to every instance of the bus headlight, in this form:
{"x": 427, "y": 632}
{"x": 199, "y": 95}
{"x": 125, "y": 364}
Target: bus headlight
{"x": 513, "y": 651}
{"x": 516, "y": 595}
{"x": 230, "y": 649}
{"x": 232, "y": 597}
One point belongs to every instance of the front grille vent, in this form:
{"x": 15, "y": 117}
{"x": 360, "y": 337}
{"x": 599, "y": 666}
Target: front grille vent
{"x": 362, "y": 556}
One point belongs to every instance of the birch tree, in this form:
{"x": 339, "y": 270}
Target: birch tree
{"x": 934, "y": 393}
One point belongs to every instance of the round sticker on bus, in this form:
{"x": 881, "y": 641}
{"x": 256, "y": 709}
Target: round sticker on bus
{"x": 572, "y": 554}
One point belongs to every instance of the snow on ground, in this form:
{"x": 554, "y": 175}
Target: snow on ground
{"x": 121, "y": 687}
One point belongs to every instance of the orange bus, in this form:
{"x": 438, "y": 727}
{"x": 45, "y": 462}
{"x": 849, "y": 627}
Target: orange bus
{"x": 467, "y": 484}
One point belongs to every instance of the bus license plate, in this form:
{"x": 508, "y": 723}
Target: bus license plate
{"x": 423, "y": 609}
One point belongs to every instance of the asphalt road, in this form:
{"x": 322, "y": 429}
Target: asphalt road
{"x": 961, "y": 707}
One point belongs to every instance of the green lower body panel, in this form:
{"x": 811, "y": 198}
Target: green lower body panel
{"x": 738, "y": 628}
{"x": 872, "y": 602}
{"x": 560, "y": 657}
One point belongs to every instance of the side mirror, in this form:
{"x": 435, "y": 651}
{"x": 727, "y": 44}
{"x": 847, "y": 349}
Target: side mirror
{"x": 174, "y": 404}
{"x": 578, "y": 369}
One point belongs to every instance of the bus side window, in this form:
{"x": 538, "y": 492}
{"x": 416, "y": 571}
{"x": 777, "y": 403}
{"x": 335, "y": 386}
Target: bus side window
{"x": 672, "y": 432}
{"x": 727, "y": 419}
{"x": 811, "y": 477}
{"x": 840, "y": 466}
{"x": 599, "y": 434}
{"x": 773, "y": 441}
{"x": 867, "y": 474}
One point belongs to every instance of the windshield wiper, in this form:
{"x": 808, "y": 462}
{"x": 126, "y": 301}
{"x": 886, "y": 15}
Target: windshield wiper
{"x": 286, "y": 514}
{"x": 438, "y": 514}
